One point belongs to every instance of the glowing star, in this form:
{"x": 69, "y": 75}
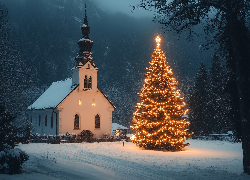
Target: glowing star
{"x": 158, "y": 40}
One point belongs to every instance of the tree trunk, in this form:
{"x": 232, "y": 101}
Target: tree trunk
{"x": 240, "y": 53}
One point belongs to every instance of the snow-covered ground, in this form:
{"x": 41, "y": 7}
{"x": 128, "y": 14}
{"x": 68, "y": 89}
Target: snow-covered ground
{"x": 110, "y": 160}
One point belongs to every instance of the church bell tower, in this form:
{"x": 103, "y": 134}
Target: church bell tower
{"x": 85, "y": 71}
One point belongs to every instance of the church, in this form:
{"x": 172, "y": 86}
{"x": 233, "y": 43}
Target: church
{"x": 75, "y": 104}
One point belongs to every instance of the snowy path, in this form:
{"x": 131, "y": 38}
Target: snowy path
{"x": 201, "y": 160}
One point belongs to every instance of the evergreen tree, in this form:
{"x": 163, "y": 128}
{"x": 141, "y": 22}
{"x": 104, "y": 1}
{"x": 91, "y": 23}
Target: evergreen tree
{"x": 228, "y": 23}
{"x": 158, "y": 117}
{"x": 11, "y": 159}
{"x": 199, "y": 104}
{"x": 15, "y": 75}
{"x": 218, "y": 97}
{"x": 7, "y": 129}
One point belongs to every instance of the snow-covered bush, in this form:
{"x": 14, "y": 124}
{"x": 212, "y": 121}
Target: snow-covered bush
{"x": 85, "y": 136}
{"x": 11, "y": 160}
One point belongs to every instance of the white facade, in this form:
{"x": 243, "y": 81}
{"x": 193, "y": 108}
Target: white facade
{"x": 76, "y": 104}
{"x": 78, "y": 99}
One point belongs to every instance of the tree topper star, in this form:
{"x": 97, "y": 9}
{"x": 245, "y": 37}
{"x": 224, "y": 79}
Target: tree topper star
{"x": 158, "y": 40}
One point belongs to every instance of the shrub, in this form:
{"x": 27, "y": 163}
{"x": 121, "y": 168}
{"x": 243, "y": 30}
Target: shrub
{"x": 86, "y": 136}
{"x": 11, "y": 160}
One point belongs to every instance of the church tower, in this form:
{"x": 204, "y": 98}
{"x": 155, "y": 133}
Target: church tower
{"x": 85, "y": 71}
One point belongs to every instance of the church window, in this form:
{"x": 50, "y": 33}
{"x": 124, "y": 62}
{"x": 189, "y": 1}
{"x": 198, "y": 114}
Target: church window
{"x": 46, "y": 120}
{"x": 93, "y": 102}
{"x": 31, "y": 119}
{"x": 97, "y": 121}
{"x": 76, "y": 122}
{"x": 51, "y": 120}
{"x": 80, "y": 102}
{"x": 39, "y": 120}
{"x": 90, "y": 83}
{"x": 86, "y": 82}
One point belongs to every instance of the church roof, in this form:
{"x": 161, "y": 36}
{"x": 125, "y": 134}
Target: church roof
{"x": 54, "y": 95}
{"x": 107, "y": 98}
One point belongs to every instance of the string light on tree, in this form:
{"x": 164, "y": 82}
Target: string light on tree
{"x": 158, "y": 119}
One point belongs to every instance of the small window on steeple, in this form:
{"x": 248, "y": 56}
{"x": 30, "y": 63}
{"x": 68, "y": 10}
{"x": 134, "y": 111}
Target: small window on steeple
{"x": 90, "y": 83}
{"x": 86, "y": 82}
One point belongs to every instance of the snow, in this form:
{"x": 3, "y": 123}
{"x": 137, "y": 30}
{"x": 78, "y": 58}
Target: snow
{"x": 116, "y": 126}
{"x": 53, "y": 95}
{"x": 83, "y": 39}
{"x": 111, "y": 160}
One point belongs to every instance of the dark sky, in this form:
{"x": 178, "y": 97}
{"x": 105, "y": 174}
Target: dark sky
{"x": 124, "y": 6}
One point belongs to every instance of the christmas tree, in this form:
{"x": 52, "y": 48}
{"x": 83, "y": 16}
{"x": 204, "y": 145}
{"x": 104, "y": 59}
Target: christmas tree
{"x": 158, "y": 120}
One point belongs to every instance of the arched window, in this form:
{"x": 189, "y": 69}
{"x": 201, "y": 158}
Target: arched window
{"x": 51, "y": 123}
{"x": 90, "y": 82}
{"x": 97, "y": 121}
{"x": 86, "y": 82}
{"x": 76, "y": 122}
{"x": 46, "y": 120}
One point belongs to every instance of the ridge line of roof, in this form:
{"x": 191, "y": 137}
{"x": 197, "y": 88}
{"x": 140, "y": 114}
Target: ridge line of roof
{"x": 106, "y": 98}
{"x": 67, "y": 95}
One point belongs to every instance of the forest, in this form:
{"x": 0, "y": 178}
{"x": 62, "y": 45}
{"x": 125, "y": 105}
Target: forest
{"x": 206, "y": 44}
{"x": 39, "y": 44}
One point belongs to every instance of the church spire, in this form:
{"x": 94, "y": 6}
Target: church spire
{"x": 85, "y": 45}
{"x": 85, "y": 18}
{"x": 85, "y": 27}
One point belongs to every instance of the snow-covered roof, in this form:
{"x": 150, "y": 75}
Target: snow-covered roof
{"x": 83, "y": 39}
{"x": 53, "y": 95}
{"x": 116, "y": 126}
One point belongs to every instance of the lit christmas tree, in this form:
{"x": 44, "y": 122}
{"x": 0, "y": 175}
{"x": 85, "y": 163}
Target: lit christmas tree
{"x": 158, "y": 120}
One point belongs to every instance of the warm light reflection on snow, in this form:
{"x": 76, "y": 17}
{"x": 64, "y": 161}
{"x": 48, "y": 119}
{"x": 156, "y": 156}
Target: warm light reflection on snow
{"x": 112, "y": 160}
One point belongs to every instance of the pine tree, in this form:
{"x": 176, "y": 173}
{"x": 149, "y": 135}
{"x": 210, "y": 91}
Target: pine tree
{"x": 157, "y": 120}
{"x": 15, "y": 74}
{"x": 218, "y": 97}
{"x": 199, "y": 104}
{"x": 7, "y": 129}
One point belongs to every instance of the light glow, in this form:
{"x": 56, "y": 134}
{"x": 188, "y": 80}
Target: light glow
{"x": 132, "y": 138}
{"x": 158, "y": 120}
{"x": 93, "y": 103}
{"x": 158, "y": 40}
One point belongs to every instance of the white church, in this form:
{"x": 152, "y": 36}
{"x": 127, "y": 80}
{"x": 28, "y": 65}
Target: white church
{"x": 75, "y": 104}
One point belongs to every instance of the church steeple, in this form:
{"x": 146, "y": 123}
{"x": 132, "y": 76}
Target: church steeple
{"x": 85, "y": 27}
{"x": 85, "y": 45}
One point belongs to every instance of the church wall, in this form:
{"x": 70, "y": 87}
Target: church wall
{"x": 93, "y": 103}
{"x": 44, "y": 128}
{"x": 75, "y": 76}
{"x": 88, "y": 72}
